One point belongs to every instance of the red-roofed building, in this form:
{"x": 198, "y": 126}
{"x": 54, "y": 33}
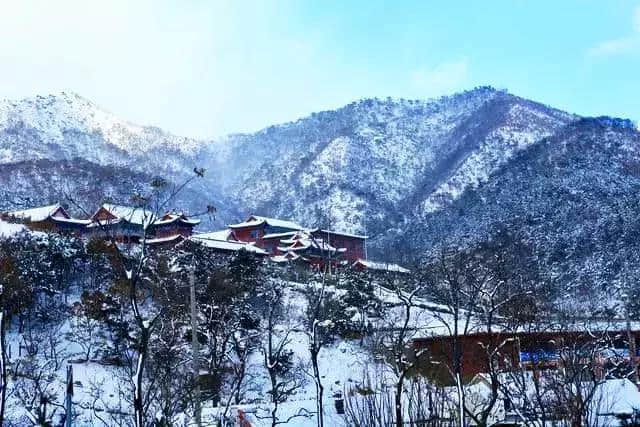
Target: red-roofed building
{"x": 48, "y": 218}
{"x": 172, "y": 224}
{"x": 274, "y": 235}
{"x": 130, "y": 223}
{"x": 354, "y": 245}
{"x": 256, "y": 227}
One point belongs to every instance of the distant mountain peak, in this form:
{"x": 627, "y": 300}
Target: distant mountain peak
{"x": 54, "y": 117}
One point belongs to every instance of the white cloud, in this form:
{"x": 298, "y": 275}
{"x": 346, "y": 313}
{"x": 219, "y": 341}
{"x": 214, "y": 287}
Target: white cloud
{"x": 621, "y": 45}
{"x": 618, "y": 46}
{"x": 444, "y": 78}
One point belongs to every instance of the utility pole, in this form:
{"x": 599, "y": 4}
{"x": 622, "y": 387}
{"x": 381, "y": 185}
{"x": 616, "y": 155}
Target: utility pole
{"x": 195, "y": 345}
{"x": 630, "y": 336}
{"x": 632, "y": 350}
{"x": 364, "y": 225}
{"x": 68, "y": 419}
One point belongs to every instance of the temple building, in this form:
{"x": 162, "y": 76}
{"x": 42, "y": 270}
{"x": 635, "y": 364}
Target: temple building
{"x": 354, "y": 245}
{"x": 50, "y": 218}
{"x": 287, "y": 241}
{"x": 279, "y": 240}
{"x": 257, "y": 228}
{"x": 537, "y": 348}
{"x": 279, "y": 237}
{"x": 218, "y": 242}
{"x": 306, "y": 246}
{"x": 174, "y": 224}
{"x": 130, "y": 224}
{"x": 376, "y": 266}
{"x": 125, "y": 223}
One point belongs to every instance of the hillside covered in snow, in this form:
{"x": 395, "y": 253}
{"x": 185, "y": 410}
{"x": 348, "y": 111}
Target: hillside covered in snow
{"x": 408, "y": 173}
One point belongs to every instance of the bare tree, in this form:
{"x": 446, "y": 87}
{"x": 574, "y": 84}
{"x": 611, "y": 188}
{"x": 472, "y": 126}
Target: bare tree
{"x": 488, "y": 288}
{"x": 36, "y": 373}
{"x": 22, "y": 274}
{"x": 9, "y": 283}
{"x": 395, "y": 333}
{"x": 85, "y": 332}
{"x": 130, "y": 265}
{"x": 285, "y": 376}
{"x": 373, "y": 406}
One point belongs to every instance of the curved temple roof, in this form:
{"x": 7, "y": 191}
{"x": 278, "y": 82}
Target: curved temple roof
{"x": 38, "y": 214}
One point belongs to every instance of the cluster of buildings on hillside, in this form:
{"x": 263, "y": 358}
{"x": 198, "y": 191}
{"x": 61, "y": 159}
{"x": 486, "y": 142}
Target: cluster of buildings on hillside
{"x": 280, "y": 241}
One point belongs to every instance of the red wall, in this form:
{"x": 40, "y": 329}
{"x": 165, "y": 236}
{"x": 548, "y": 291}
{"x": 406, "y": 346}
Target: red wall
{"x": 173, "y": 229}
{"x": 244, "y": 234}
{"x": 353, "y": 245}
{"x": 103, "y": 215}
{"x": 474, "y": 355}
{"x": 473, "y": 347}
{"x": 271, "y": 245}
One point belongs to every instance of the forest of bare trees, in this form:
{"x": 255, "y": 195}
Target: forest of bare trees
{"x": 188, "y": 334}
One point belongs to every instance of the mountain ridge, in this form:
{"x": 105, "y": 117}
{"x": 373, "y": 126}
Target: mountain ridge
{"x": 374, "y": 165}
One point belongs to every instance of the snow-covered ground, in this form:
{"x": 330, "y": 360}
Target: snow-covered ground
{"x": 97, "y": 389}
{"x": 345, "y": 365}
{"x": 342, "y": 366}
{"x": 8, "y": 229}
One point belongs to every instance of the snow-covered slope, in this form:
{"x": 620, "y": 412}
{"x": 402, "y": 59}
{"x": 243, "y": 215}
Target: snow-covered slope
{"x": 376, "y": 165}
{"x": 42, "y": 122}
{"x": 573, "y": 196}
{"x": 60, "y": 145}
{"x": 383, "y": 167}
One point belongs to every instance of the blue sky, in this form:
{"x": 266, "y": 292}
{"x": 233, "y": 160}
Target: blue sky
{"x": 205, "y": 68}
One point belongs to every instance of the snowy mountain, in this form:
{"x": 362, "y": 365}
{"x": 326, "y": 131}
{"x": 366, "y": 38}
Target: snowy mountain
{"x": 379, "y": 165}
{"x": 60, "y": 145}
{"x": 573, "y": 196}
{"x": 390, "y": 168}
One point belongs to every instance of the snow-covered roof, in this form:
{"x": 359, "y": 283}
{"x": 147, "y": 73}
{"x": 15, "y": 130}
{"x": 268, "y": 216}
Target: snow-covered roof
{"x": 381, "y": 266}
{"x": 72, "y": 220}
{"x": 435, "y": 327}
{"x": 173, "y": 217}
{"x": 274, "y": 222}
{"x": 303, "y": 240}
{"x": 130, "y": 214}
{"x": 278, "y": 235}
{"x": 256, "y": 220}
{"x": 289, "y": 256}
{"x": 250, "y": 223}
{"x": 214, "y": 235}
{"x": 36, "y": 214}
{"x": 339, "y": 233}
{"x": 226, "y": 245}
{"x": 103, "y": 222}
{"x": 160, "y": 240}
